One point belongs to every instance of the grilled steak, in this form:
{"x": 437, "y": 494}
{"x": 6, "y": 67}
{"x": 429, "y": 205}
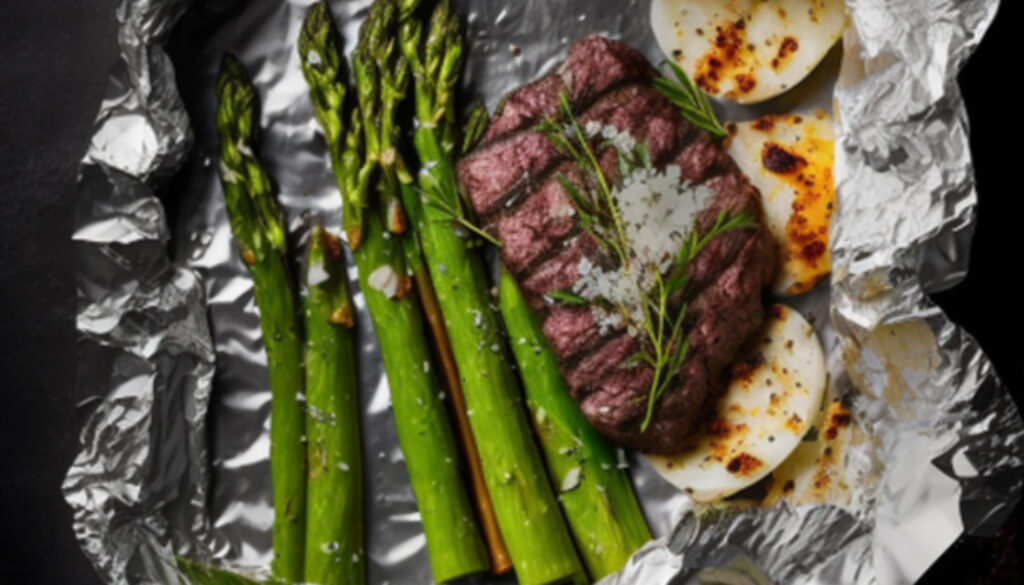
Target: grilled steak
{"x": 512, "y": 181}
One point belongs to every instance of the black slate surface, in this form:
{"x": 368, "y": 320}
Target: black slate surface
{"x": 54, "y": 57}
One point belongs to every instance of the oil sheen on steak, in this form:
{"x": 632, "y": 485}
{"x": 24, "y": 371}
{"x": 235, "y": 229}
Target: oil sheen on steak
{"x": 512, "y": 180}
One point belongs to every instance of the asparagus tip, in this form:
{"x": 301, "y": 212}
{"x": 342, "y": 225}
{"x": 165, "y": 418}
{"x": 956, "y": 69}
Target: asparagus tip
{"x": 406, "y": 8}
{"x": 317, "y": 29}
{"x": 231, "y": 69}
{"x": 236, "y": 99}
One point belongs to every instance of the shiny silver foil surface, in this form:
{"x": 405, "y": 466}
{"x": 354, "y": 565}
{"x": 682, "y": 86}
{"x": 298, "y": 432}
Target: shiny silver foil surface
{"x": 175, "y": 456}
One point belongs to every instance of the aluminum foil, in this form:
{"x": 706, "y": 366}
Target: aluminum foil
{"x": 175, "y": 457}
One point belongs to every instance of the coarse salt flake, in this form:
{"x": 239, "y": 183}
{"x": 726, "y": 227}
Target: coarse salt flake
{"x": 657, "y": 210}
{"x": 571, "y": 480}
{"x": 385, "y": 280}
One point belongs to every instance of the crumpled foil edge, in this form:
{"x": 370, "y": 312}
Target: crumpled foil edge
{"x": 138, "y": 489}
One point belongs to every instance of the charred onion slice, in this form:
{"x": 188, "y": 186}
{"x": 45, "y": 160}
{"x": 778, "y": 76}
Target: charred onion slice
{"x": 789, "y": 158}
{"x": 747, "y": 50}
{"x": 774, "y": 395}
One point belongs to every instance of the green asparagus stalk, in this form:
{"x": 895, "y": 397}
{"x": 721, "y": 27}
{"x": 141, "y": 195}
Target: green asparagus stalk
{"x": 334, "y": 494}
{"x": 382, "y": 75}
{"x": 528, "y": 515}
{"x": 602, "y": 510}
{"x": 258, "y": 228}
{"x": 500, "y": 561}
{"x": 453, "y": 540}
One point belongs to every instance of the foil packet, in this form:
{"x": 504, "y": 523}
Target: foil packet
{"x": 175, "y": 461}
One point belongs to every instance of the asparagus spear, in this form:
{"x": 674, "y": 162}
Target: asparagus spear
{"x": 259, "y": 230}
{"x": 453, "y": 540}
{"x": 334, "y": 523}
{"x": 381, "y": 79}
{"x": 500, "y": 561}
{"x": 382, "y": 75}
{"x": 598, "y": 499}
{"x": 531, "y": 525}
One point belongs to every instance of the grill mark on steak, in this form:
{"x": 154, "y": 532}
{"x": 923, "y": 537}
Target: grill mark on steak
{"x": 500, "y": 170}
{"x": 701, "y": 159}
{"x": 647, "y": 116}
{"x": 501, "y": 174}
{"x": 593, "y": 367}
{"x": 570, "y": 329}
{"x": 617, "y": 396}
{"x": 558, "y": 272}
{"x": 540, "y": 223}
{"x": 594, "y": 66}
{"x": 516, "y": 195}
{"x": 524, "y": 107}
{"x": 557, "y": 244}
{"x": 576, "y": 335}
{"x": 532, "y": 226}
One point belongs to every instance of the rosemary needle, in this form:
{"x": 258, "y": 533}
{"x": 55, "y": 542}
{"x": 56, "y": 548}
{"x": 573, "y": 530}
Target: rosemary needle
{"x": 691, "y": 101}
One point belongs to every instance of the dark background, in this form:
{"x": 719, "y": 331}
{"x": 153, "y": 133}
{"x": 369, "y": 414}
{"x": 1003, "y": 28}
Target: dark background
{"x": 54, "y": 57}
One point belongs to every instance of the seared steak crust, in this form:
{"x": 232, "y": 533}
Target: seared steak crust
{"x": 512, "y": 181}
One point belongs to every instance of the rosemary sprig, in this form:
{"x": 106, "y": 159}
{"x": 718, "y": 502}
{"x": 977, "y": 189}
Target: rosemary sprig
{"x": 691, "y": 101}
{"x": 665, "y": 345}
{"x": 594, "y": 203}
{"x": 443, "y": 197}
{"x": 474, "y": 127}
{"x": 667, "y": 362}
{"x": 455, "y": 213}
